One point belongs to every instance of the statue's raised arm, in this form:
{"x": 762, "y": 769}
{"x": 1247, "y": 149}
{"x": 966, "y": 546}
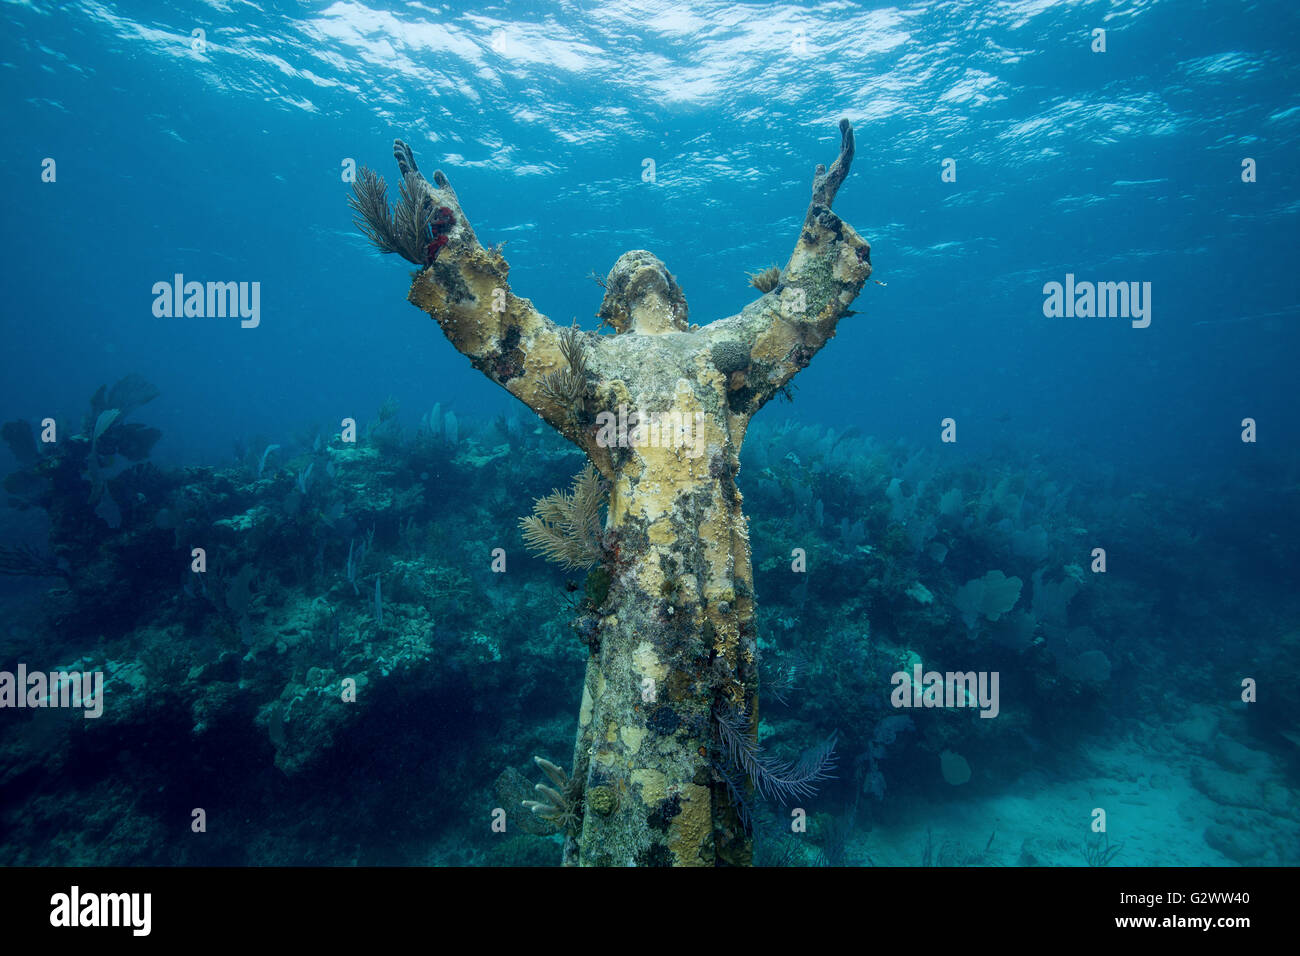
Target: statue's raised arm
{"x": 798, "y": 315}
{"x": 466, "y": 289}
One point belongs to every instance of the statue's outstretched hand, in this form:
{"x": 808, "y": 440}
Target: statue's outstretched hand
{"x": 406, "y": 164}
{"x": 827, "y": 184}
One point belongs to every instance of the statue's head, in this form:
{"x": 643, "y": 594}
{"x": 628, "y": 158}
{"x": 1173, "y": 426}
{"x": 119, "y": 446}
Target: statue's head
{"x": 642, "y": 296}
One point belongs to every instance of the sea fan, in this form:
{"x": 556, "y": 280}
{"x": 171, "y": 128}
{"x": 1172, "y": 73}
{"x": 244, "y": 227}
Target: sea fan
{"x": 414, "y": 217}
{"x": 406, "y": 229}
{"x": 565, "y": 527}
{"x": 372, "y": 215}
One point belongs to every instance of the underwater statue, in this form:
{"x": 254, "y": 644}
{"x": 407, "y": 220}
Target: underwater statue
{"x": 666, "y": 761}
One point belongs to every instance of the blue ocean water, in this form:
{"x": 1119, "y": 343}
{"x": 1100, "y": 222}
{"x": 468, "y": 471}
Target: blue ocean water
{"x": 1000, "y": 147}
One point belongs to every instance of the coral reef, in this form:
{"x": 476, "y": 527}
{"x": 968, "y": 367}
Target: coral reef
{"x": 225, "y": 689}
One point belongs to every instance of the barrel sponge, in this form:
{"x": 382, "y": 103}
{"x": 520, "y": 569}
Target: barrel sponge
{"x": 992, "y": 595}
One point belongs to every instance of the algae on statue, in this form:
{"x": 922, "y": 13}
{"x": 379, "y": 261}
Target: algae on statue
{"x": 670, "y": 701}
